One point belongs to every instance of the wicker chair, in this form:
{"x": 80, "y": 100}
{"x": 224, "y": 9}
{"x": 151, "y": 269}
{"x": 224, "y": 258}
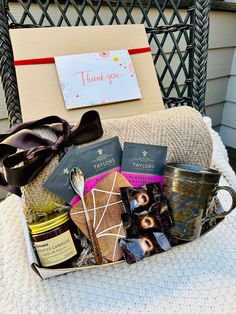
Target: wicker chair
{"x": 185, "y": 32}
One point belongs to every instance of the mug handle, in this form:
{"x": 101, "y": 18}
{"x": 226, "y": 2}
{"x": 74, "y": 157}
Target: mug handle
{"x": 225, "y": 213}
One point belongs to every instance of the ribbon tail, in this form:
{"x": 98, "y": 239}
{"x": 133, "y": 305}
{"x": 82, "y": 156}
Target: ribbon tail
{"x": 8, "y": 187}
{"x": 20, "y": 176}
{"x": 34, "y": 124}
{"x": 89, "y": 129}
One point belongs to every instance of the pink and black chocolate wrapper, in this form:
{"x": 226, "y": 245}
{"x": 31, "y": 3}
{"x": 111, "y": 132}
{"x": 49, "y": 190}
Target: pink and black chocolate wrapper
{"x": 145, "y": 220}
{"x": 146, "y": 209}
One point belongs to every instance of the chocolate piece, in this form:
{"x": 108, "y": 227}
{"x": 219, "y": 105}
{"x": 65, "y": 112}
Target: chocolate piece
{"x": 155, "y": 190}
{"x": 137, "y": 224}
{"x": 136, "y": 200}
{"x": 146, "y": 208}
{"x": 162, "y": 214}
{"x": 135, "y": 249}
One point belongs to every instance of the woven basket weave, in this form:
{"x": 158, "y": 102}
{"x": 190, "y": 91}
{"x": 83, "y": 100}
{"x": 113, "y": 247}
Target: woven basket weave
{"x": 181, "y": 129}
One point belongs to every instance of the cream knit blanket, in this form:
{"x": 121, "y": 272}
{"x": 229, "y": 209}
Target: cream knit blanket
{"x": 199, "y": 277}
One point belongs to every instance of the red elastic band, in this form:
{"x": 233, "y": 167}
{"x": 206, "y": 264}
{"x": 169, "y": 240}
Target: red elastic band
{"x": 52, "y": 60}
{"x": 139, "y": 50}
{"x": 34, "y": 61}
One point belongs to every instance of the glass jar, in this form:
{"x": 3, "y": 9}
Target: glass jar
{"x": 54, "y": 240}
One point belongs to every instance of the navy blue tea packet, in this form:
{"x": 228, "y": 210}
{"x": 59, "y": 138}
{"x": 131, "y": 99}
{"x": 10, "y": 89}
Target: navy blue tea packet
{"x": 96, "y": 161}
{"x": 143, "y": 163}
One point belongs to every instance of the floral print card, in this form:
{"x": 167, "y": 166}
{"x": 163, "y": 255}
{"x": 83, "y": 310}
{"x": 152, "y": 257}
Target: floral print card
{"x": 97, "y": 78}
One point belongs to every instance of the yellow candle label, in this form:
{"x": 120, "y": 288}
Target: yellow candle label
{"x": 56, "y": 250}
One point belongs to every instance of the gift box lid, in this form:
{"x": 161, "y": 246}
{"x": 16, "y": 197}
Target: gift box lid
{"x": 39, "y": 88}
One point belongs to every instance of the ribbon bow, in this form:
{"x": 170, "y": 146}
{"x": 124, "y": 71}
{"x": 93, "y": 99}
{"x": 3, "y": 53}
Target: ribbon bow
{"x": 38, "y": 151}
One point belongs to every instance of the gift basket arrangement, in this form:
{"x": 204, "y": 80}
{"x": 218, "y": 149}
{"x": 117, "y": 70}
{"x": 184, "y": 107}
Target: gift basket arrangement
{"x": 99, "y": 204}
{"x": 98, "y": 192}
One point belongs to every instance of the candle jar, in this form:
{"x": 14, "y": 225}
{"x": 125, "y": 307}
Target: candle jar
{"x": 54, "y": 240}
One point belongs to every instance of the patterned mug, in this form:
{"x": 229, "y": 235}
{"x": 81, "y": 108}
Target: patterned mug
{"x": 190, "y": 191}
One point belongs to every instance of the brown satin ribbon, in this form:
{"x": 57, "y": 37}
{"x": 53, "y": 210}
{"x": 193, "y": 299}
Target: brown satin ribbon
{"x": 38, "y": 151}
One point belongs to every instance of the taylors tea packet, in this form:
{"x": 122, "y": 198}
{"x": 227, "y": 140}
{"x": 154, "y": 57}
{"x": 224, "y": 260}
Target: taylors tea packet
{"x": 58, "y": 182}
{"x": 143, "y": 163}
{"x": 96, "y": 161}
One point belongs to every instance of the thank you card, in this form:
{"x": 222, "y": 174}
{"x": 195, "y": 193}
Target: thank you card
{"x": 97, "y": 78}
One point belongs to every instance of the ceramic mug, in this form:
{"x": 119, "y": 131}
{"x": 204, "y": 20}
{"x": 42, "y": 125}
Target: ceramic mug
{"x": 190, "y": 190}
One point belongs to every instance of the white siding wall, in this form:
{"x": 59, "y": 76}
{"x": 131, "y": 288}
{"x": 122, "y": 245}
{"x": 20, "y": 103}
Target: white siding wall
{"x": 221, "y": 51}
{"x": 228, "y": 125}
